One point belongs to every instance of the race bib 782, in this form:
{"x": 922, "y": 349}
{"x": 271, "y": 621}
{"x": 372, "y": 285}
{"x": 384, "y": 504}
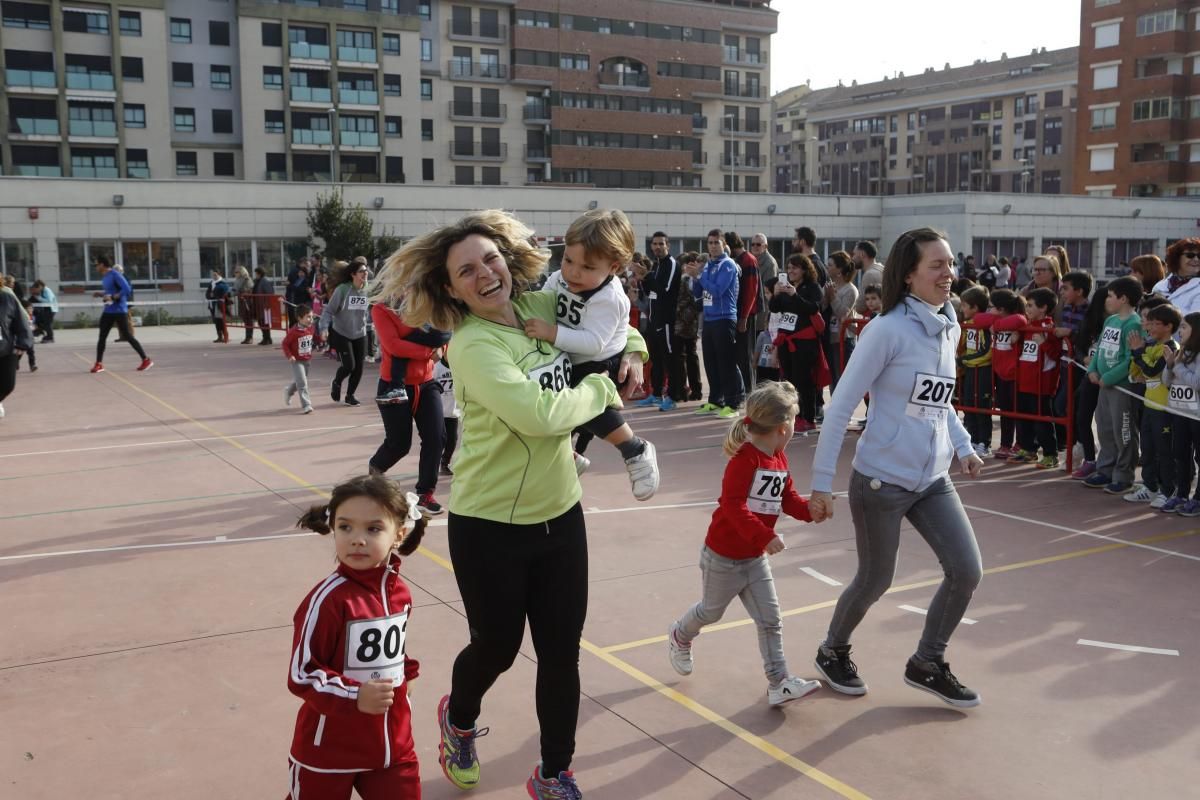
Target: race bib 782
{"x": 766, "y": 491}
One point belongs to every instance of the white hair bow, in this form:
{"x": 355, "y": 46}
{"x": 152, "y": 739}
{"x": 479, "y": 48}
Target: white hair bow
{"x": 414, "y": 511}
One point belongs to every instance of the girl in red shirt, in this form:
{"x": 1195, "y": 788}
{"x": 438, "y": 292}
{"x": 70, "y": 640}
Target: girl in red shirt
{"x": 349, "y": 665}
{"x": 733, "y": 562}
{"x": 1006, "y": 323}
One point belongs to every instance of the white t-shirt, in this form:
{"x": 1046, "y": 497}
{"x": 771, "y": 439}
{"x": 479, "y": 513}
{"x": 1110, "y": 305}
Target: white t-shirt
{"x": 593, "y": 328}
{"x": 441, "y": 374}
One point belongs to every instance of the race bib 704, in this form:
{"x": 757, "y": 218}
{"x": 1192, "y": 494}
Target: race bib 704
{"x": 766, "y": 491}
{"x": 554, "y": 376}
{"x": 930, "y": 398}
{"x": 375, "y": 648}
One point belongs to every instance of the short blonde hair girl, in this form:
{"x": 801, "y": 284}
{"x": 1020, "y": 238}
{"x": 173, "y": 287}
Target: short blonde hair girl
{"x": 770, "y": 405}
{"x": 416, "y": 275}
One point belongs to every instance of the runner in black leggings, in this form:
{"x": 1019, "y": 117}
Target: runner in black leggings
{"x": 344, "y": 317}
{"x": 116, "y": 313}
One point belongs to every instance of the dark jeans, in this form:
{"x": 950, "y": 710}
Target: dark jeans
{"x": 246, "y": 311}
{"x": 8, "y": 375}
{"x": 398, "y": 427}
{"x": 1006, "y": 400}
{"x": 1185, "y": 447}
{"x": 747, "y": 359}
{"x": 1158, "y": 461}
{"x": 351, "y": 354}
{"x": 837, "y": 355}
{"x": 43, "y": 318}
{"x": 661, "y": 367}
{"x": 1087, "y": 395}
{"x": 121, "y": 321}
{"x": 797, "y": 366}
{"x": 507, "y": 574}
{"x": 719, "y": 341}
{"x": 607, "y": 420}
{"x": 686, "y": 363}
{"x": 1030, "y": 434}
{"x": 977, "y": 393}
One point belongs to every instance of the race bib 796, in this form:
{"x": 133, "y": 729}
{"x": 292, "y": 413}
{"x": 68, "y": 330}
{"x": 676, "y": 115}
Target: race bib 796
{"x": 787, "y": 321}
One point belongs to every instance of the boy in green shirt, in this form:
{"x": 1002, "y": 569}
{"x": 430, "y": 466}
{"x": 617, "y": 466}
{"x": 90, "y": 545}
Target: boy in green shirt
{"x": 1115, "y": 410}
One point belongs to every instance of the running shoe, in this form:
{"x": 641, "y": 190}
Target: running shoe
{"x": 1118, "y": 487}
{"x": 1096, "y": 481}
{"x": 1003, "y": 452}
{"x": 1022, "y": 457}
{"x": 335, "y": 391}
{"x": 982, "y": 450}
{"x": 1139, "y": 494}
{"x": 707, "y": 408}
{"x": 429, "y": 505}
{"x": 1, "y": 410}
{"x": 789, "y": 689}
{"x": 936, "y": 678}
{"x": 308, "y": 409}
{"x": 668, "y": 405}
{"x": 1159, "y": 501}
{"x": 647, "y": 401}
{"x": 581, "y": 464}
{"x": 351, "y": 400}
{"x": 727, "y": 412}
{"x": 395, "y": 396}
{"x": 1173, "y": 505}
{"x": 456, "y": 751}
{"x": 1189, "y": 509}
{"x": 838, "y": 670}
{"x": 561, "y": 788}
{"x": 1047, "y": 462}
{"x": 288, "y": 391}
{"x": 678, "y": 653}
{"x": 97, "y": 367}
{"x": 643, "y": 473}
{"x": 1084, "y": 470}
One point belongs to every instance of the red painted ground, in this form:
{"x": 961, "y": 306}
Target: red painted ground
{"x": 160, "y": 670}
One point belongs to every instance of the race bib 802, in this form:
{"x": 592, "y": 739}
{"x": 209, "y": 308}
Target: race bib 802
{"x": 930, "y": 398}
{"x": 554, "y": 376}
{"x": 766, "y": 491}
{"x": 375, "y": 648}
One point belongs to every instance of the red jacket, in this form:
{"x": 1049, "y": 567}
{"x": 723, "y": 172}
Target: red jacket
{"x": 756, "y": 487}
{"x": 298, "y": 343}
{"x": 392, "y": 331}
{"x": 748, "y": 285}
{"x": 351, "y": 627}
{"x": 1038, "y": 365}
{"x": 1006, "y": 341}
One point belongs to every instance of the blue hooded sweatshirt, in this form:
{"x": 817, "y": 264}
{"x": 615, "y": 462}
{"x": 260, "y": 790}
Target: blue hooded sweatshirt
{"x": 116, "y": 287}
{"x": 718, "y": 286}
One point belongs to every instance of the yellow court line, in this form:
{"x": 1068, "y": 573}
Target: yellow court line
{"x": 1091, "y": 551}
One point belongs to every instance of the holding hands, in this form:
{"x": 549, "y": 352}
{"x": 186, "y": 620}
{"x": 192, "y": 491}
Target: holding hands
{"x": 820, "y": 506}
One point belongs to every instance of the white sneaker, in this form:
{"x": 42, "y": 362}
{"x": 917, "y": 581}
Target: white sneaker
{"x": 1140, "y": 494}
{"x": 288, "y": 391}
{"x": 643, "y": 473}
{"x": 680, "y": 655}
{"x": 791, "y": 688}
{"x": 1159, "y": 501}
{"x": 581, "y": 464}
{"x": 982, "y": 450}
{"x": 1, "y": 410}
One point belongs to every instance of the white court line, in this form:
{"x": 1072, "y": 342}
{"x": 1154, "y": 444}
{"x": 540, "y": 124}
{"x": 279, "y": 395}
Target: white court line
{"x": 1077, "y": 532}
{"x": 923, "y": 613}
{"x": 1131, "y": 648}
{"x": 822, "y": 578}
{"x": 189, "y": 441}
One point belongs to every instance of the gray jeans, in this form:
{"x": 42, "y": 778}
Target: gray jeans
{"x": 300, "y": 383}
{"x": 749, "y": 579}
{"x": 1118, "y": 432}
{"x": 938, "y": 516}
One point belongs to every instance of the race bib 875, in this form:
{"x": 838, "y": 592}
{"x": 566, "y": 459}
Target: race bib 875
{"x": 554, "y": 376}
{"x": 930, "y": 398}
{"x": 766, "y": 491}
{"x": 357, "y": 302}
{"x": 375, "y": 648}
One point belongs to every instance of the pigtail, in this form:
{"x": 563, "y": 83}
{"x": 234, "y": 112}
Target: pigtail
{"x": 736, "y": 437}
{"x": 316, "y": 519}
{"x": 413, "y": 539}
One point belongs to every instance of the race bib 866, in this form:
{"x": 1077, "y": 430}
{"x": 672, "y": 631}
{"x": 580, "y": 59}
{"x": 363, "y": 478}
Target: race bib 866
{"x": 554, "y": 376}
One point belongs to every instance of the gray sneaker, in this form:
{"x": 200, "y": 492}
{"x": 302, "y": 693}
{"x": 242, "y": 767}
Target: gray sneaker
{"x": 643, "y": 473}
{"x": 678, "y": 653}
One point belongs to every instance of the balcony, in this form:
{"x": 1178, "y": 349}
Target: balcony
{"x": 478, "y": 151}
{"x": 475, "y": 32}
{"x": 36, "y": 126}
{"x": 618, "y": 79}
{"x": 733, "y": 163}
{"x": 360, "y": 139}
{"x": 310, "y": 176}
{"x": 750, "y": 90}
{"x": 1158, "y": 172}
{"x": 470, "y": 112}
{"x": 744, "y": 58}
{"x": 37, "y": 171}
{"x": 95, "y": 172}
{"x": 358, "y": 97}
{"x": 91, "y": 81}
{"x": 32, "y": 80}
{"x": 741, "y": 127}
{"x": 357, "y": 55}
{"x": 537, "y": 155}
{"x": 276, "y": 175}
{"x": 303, "y": 51}
{"x": 106, "y": 129}
{"x": 137, "y": 172}
{"x": 464, "y": 70}
{"x": 536, "y": 113}
{"x": 306, "y": 137}
{"x": 699, "y": 123}
{"x": 699, "y": 160}
{"x": 321, "y": 95}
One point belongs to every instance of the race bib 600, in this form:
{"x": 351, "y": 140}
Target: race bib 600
{"x": 1183, "y": 398}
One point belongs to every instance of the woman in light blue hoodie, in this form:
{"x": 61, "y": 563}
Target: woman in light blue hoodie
{"x": 905, "y": 359}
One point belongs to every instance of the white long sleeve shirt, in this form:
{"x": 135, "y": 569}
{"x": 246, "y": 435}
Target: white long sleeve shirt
{"x": 591, "y": 326}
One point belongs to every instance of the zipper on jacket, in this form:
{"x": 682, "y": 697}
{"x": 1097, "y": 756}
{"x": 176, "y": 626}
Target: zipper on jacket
{"x": 387, "y": 739}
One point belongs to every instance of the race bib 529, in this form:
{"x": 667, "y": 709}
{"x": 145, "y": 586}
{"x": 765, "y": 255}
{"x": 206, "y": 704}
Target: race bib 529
{"x": 1029, "y": 350}
{"x": 375, "y": 648}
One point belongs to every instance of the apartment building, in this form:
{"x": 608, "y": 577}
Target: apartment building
{"x": 1000, "y": 126}
{"x": 1139, "y": 94}
{"x": 658, "y": 93}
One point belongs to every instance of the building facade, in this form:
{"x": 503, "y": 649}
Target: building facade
{"x": 1000, "y": 126}
{"x": 659, "y": 93}
{"x": 1139, "y": 99}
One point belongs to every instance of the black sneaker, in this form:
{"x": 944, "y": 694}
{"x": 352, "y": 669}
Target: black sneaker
{"x": 429, "y": 505}
{"x": 839, "y": 671}
{"x": 446, "y": 468}
{"x": 937, "y": 679}
{"x": 335, "y": 391}
{"x": 352, "y": 401}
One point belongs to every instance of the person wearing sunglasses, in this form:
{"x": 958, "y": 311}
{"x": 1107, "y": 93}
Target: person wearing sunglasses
{"x": 1183, "y": 265}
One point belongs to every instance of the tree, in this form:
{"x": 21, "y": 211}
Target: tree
{"x": 345, "y": 231}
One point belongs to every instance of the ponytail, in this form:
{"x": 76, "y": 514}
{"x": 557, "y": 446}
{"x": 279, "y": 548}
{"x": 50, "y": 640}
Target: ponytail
{"x": 387, "y": 495}
{"x": 770, "y": 405}
{"x": 412, "y": 539}
{"x": 737, "y": 435}
{"x": 317, "y": 518}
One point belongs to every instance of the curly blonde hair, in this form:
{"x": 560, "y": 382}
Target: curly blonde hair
{"x": 416, "y": 275}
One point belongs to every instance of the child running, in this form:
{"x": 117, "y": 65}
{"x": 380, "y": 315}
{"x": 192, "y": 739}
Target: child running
{"x": 592, "y": 314}
{"x": 348, "y": 655}
{"x": 733, "y": 562}
{"x": 297, "y": 349}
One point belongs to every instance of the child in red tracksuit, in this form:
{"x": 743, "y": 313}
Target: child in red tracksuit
{"x": 297, "y": 349}
{"x": 1037, "y": 382}
{"x": 756, "y": 489}
{"x": 1006, "y": 323}
{"x": 349, "y": 663}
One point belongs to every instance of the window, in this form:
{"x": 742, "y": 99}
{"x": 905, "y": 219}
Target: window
{"x": 185, "y": 162}
{"x": 424, "y": 10}
{"x": 463, "y": 176}
{"x": 394, "y": 169}
{"x": 426, "y": 89}
{"x": 1102, "y": 159}
{"x": 77, "y": 259}
{"x": 427, "y": 50}
{"x": 185, "y": 121}
{"x": 1104, "y": 77}
{"x": 35, "y": 16}
{"x": 1104, "y": 118}
{"x": 391, "y": 85}
{"x": 130, "y": 23}
{"x": 222, "y": 120}
{"x": 272, "y": 34}
{"x": 1108, "y": 34}
{"x": 393, "y": 126}
{"x": 391, "y": 44}
{"x": 223, "y": 165}
{"x": 426, "y": 169}
{"x": 573, "y": 61}
{"x": 273, "y": 78}
{"x": 181, "y": 74}
{"x": 131, "y": 68}
{"x": 85, "y": 21}
{"x": 489, "y": 176}
{"x": 17, "y": 259}
{"x": 427, "y": 131}
{"x": 218, "y": 33}
{"x": 135, "y": 116}
{"x": 220, "y": 76}
{"x": 1159, "y": 22}
{"x": 181, "y": 33}
{"x": 1157, "y": 108}
{"x": 273, "y": 121}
